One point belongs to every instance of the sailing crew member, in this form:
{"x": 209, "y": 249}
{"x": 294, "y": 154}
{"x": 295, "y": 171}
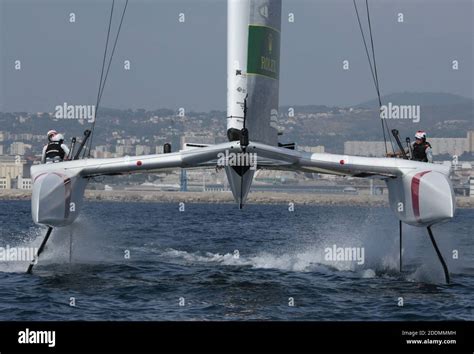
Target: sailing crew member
{"x": 55, "y": 150}
{"x": 421, "y": 148}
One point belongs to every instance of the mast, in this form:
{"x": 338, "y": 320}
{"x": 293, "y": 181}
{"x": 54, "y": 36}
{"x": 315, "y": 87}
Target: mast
{"x": 237, "y": 49}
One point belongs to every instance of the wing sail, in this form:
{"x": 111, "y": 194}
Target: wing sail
{"x": 253, "y": 68}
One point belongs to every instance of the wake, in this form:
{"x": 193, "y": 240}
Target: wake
{"x": 92, "y": 245}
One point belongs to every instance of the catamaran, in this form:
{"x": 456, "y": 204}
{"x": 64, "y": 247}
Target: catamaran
{"x": 420, "y": 194}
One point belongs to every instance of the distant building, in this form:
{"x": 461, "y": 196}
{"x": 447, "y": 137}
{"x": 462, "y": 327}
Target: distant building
{"x": 24, "y": 183}
{"x": 101, "y": 151}
{"x": 451, "y": 146}
{"x": 1, "y": 150}
{"x": 196, "y": 138}
{"x": 24, "y": 136}
{"x": 102, "y": 154}
{"x": 366, "y": 148}
{"x": 19, "y": 148}
{"x": 5, "y": 183}
{"x": 470, "y": 138}
{"x": 123, "y": 150}
{"x": 313, "y": 149}
{"x": 26, "y": 173}
{"x": 142, "y": 150}
{"x": 101, "y": 148}
{"x": 11, "y": 167}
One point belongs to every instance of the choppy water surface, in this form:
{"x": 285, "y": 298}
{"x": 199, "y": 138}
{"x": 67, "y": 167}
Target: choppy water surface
{"x": 222, "y": 263}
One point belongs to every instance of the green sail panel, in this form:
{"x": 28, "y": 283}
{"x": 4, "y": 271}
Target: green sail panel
{"x": 263, "y": 51}
{"x": 263, "y": 70}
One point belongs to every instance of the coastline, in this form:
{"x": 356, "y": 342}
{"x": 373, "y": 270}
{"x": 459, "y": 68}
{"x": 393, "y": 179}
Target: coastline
{"x": 226, "y": 197}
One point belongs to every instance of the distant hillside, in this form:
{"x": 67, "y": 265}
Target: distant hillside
{"x": 308, "y": 108}
{"x": 441, "y": 115}
{"x": 419, "y": 98}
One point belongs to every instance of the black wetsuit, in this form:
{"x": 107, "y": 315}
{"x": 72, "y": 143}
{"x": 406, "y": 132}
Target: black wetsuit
{"x": 419, "y": 151}
{"x": 54, "y": 150}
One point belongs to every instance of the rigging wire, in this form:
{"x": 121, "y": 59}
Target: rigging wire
{"x": 373, "y": 70}
{"x": 365, "y": 45}
{"x": 101, "y": 76}
{"x": 113, "y": 49}
{"x": 373, "y": 51}
{"x": 376, "y": 75}
{"x": 103, "y": 79}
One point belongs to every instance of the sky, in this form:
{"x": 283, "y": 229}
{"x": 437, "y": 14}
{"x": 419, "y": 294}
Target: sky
{"x": 176, "y": 64}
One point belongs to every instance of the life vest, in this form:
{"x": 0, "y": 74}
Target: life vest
{"x": 419, "y": 151}
{"x": 54, "y": 150}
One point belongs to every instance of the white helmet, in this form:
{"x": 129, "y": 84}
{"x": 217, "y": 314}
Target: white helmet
{"x": 420, "y": 134}
{"x": 51, "y": 133}
{"x": 57, "y": 137}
